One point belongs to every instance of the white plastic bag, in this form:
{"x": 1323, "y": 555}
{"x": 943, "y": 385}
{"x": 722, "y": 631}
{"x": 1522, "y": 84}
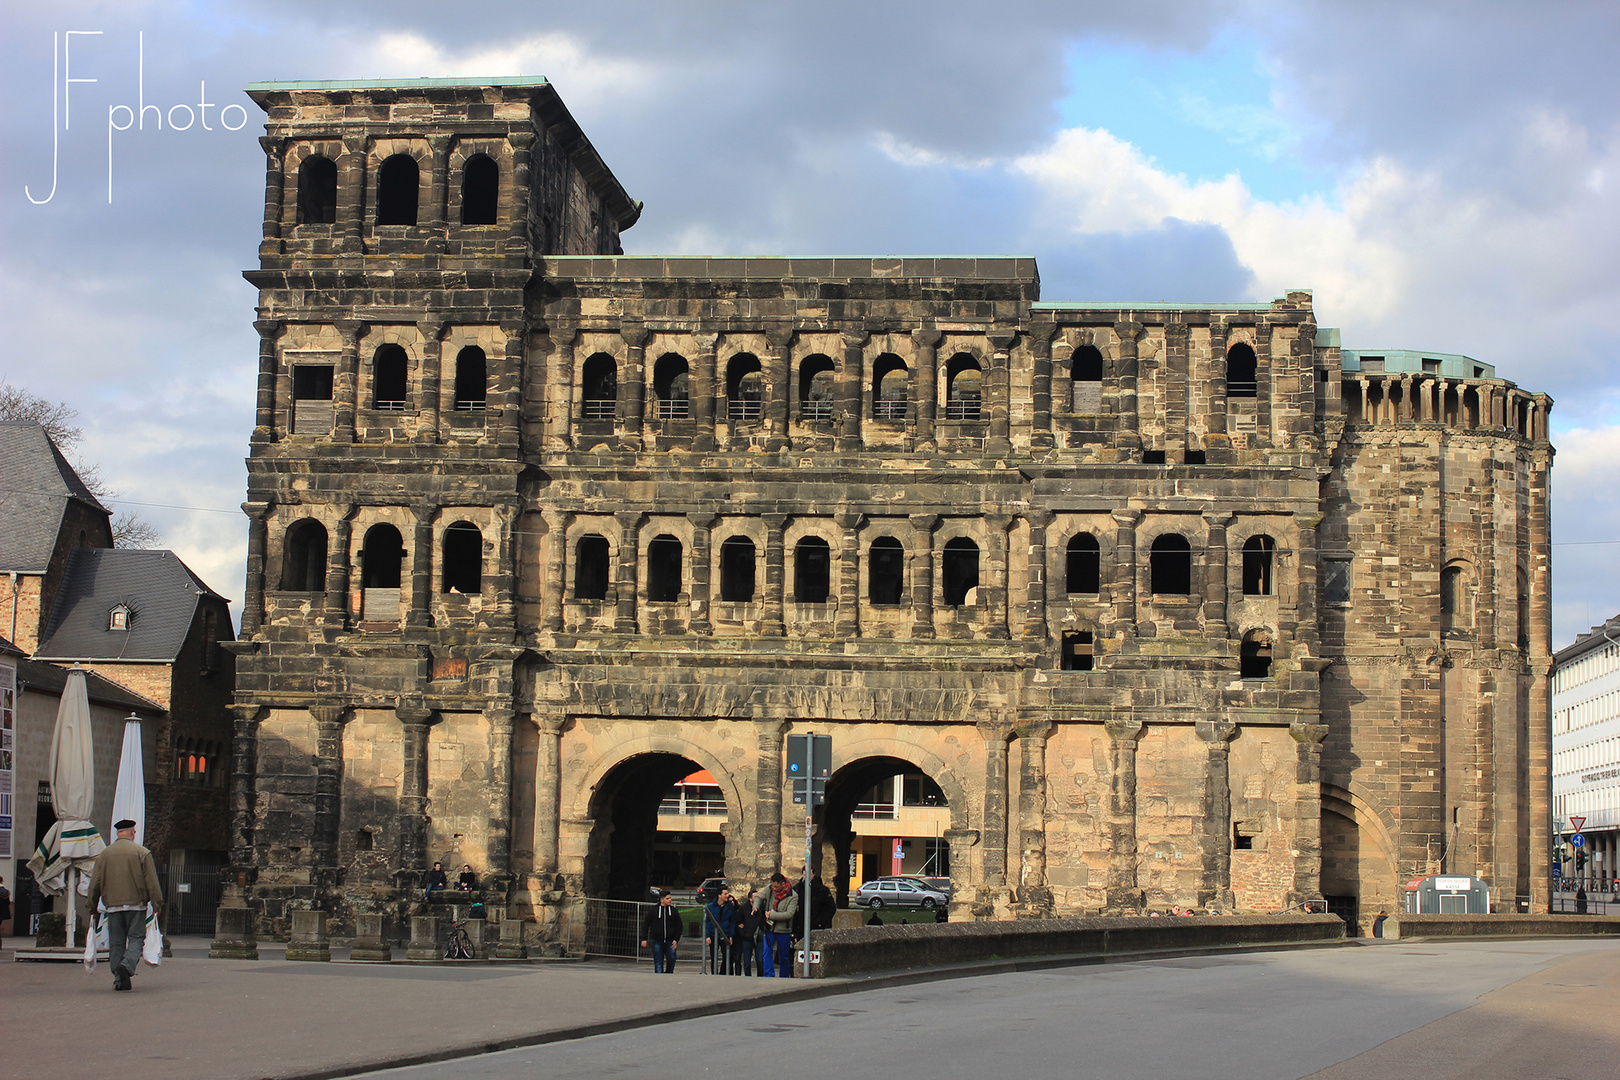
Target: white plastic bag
{"x": 152, "y": 947}
{"x": 90, "y": 947}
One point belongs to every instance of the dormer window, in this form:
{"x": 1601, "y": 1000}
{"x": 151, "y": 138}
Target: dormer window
{"x": 118, "y": 618}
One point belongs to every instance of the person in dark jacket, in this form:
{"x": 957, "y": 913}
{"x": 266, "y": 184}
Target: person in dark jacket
{"x": 823, "y": 905}
{"x": 745, "y": 949}
{"x": 467, "y": 881}
{"x": 436, "y": 881}
{"x": 661, "y": 932}
{"x": 719, "y": 927}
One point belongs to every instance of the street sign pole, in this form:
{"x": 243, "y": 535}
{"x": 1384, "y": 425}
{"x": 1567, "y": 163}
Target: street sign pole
{"x": 809, "y": 766}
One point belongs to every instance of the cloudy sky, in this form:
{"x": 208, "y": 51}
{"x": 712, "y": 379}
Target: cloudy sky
{"x": 1444, "y": 176}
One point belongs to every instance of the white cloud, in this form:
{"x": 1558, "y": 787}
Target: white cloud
{"x": 584, "y": 76}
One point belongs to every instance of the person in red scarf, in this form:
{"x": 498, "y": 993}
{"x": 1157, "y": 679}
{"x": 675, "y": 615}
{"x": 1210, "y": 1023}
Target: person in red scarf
{"x": 779, "y": 904}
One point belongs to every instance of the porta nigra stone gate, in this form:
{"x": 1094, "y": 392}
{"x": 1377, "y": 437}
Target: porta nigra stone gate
{"x": 1175, "y": 604}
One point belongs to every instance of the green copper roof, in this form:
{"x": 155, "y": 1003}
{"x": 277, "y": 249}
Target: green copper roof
{"x": 397, "y": 84}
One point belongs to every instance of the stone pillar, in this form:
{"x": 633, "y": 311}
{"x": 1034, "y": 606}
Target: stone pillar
{"x": 264, "y": 408}
{"x": 503, "y": 575}
{"x": 1264, "y": 382}
{"x": 1122, "y": 892}
{"x": 848, "y": 624}
{"x": 560, "y": 388}
{"x": 309, "y": 940}
{"x": 415, "y": 721}
{"x": 346, "y": 384}
{"x": 420, "y": 614}
{"x": 500, "y": 718}
{"x": 703, "y": 523}
{"x": 1125, "y": 576}
{"x": 335, "y": 616}
{"x": 547, "y": 795}
{"x": 1308, "y": 633}
{"x": 1129, "y": 333}
{"x": 779, "y": 382}
{"x": 849, "y": 389}
{"x": 1035, "y": 626}
{"x": 1040, "y": 427}
{"x": 926, "y": 343}
{"x": 1538, "y": 759}
{"x": 234, "y": 936}
{"x": 328, "y": 810}
{"x": 1217, "y": 571}
{"x": 1032, "y": 736}
{"x": 522, "y": 143}
{"x": 507, "y": 389}
{"x": 775, "y": 578}
{"x": 703, "y": 390}
{"x": 427, "y": 938}
{"x": 629, "y": 522}
{"x": 994, "y": 590}
{"x": 1216, "y": 887}
{"x": 922, "y": 575}
{"x": 369, "y": 942}
{"x": 432, "y": 361}
{"x": 768, "y": 793}
{"x": 994, "y": 831}
{"x": 438, "y": 186}
{"x": 351, "y": 196}
{"x": 999, "y": 391}
{"x": 1217, "y": 442}
{"x": 1307, "y": 850}
{"x": 253, "y": 600}
{"x": 554, "y": 582}
{"x": 633, "y": 390}
{"x": 275, "y": 172}
{"x": 244, "y": 800}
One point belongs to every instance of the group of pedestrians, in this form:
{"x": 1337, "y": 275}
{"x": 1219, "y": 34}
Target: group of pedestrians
{"x": 741, "y": 936}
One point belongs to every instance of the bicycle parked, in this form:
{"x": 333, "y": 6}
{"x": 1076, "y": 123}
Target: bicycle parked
{"x": 459, "y": 946}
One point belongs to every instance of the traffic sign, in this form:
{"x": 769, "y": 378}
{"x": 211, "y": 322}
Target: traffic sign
{"x": 809, "y": 766}
{"x": 1576, "y": 822}
{"x": 1578, "y": 840}
{"x": 1557, "y": 871}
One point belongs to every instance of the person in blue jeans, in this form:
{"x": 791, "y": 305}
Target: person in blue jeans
{"x": 779, "y": 904}
{"x": 719, "y": 927}
{"x": 661, "y": 932}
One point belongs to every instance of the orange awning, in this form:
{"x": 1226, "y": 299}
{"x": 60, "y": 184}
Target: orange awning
{"x": 702, "y": 777}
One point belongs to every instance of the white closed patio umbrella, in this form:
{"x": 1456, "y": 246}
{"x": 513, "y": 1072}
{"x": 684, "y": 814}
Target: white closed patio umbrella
{"x": 69, "y": 849}
{"x": 129, "y": 798}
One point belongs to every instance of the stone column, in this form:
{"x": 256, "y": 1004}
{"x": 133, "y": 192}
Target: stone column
{"x": 1216, "y": 887}
{"x": 503, "y": 574}
{"x": 1264, "y": 383}
{"x": 775, "y": 578}
{"x": 995, "y": 589}
{"x": 768, "y": 794}
{"x": 547, "y": 795}
{"x": 507, "y": 389}
{"x": 275, "y": 172}
{"x": 1032, "y": 736}
{"x": 501, "y": 719}
{"x": 1307, "y": 850}
{"x": 1040, "y": 427}
{"x": 922, "y": 575}
{"x": 849, "y": 389}
{"x": 703, "y": 390}
{"x": 1217, "y": 442}
{"x": 926, "y": 343}
{"x": 351, "y": 196}
{"x": 346, "y": 385}
{"x": 1217, "y": 571}
{"x": 253, "y": 600}
{"x": 1538, "y": 759}
{"x": 522, "y": 143}
{"x": 1122, "y": 891}
{"x": 335, "y": 616}
{"x": 554, "y": 582}
{"x": 633, "y": 390}
{"x": 629, "y": 522}
{"x": 1125, "y": 577}
{"x": 1035, "y": 626}
{"x": 780, "y": 385}
{"x": 848, "y": 623}
{"x": 999, "y": 391}
{"x": 560, "y": 388}
{"x": 432, "y": 360}
{"x": 1309, "y": 637}
{"x": 264, "y": 409}
{"x": 438, "y": 186}
{"x": 420, "y": 614}
{"x": 995, "y": 735}
{"x": 328, "y": 810}
{"x": 1129, "y": 333}
{"x": 415, "y": 722}
{"x": 703, "y": 523}
{"x": 244, "y": 799}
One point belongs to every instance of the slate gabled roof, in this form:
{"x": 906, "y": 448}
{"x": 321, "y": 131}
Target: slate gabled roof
{"x": 161, "y": 592}
{"x": 51, "y": 678}
{"x": 36, "y": 484}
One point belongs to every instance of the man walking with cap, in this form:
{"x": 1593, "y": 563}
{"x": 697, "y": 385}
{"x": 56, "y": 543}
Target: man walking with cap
{"x": 126, "y": 880}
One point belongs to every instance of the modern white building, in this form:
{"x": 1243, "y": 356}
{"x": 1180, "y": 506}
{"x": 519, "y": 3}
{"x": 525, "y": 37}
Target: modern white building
{"x": 1586, "y": 756}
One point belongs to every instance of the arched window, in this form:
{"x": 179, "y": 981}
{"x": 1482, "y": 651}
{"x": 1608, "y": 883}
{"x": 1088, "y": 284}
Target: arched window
{"x": 816, "y": 393}
{"x": 1170, "y": 565}
{"x": 737, "y": 570}
{"x": 1257, "y": 559}
{"x": 1085, "y": 375}
{"x": 599, "y": 386}
{"x": 812, "y": 571}
{"x": 960, "y": 566}
{"x": 885, "y": 571}
{"x": 664, "y": 556}
{"x": 397, "y": 183}
{"x": 317, "y": 191}
{"x": 480, "y": 190}
{"x": 670, "y": 386}
{"x": 1254, "y": 659}
{"x": 380, "y": 558}
{"x": 303, "y": 557}
{"x": 1083, "y": 566}
{"x": 463, "y": 558}
{"x": 745, "y": 390}
{"x": 1454, "y": 614}
{"x": 389, "y": 381}
{"x": 1523, "y": 607}
{"x": 964, "y": 388}
{"x": 591, "y": 557}
{"x": 1242, "y": 379}
{"x": 889, "y": 377}
{"x": 472, "y": 374}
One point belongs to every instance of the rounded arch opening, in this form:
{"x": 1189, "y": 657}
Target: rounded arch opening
{"x": 877, "y": 806}
{"x": 657, "y": 821}
{"x": 398, "y": 182}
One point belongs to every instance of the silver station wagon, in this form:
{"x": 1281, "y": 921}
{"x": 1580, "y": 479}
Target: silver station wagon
{"x": 898, "y": 892}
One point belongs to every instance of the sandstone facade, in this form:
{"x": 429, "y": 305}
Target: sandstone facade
{"x": 1152, "y": 593}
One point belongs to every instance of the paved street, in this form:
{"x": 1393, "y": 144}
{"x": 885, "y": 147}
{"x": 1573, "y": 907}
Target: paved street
{"x": 1480, "y": 1010}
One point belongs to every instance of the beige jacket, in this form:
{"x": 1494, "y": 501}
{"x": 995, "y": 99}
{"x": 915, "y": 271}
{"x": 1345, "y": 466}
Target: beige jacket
{"x": 125, "y": 874}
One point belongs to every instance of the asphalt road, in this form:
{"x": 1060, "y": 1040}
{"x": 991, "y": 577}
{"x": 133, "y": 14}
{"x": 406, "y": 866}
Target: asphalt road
{"x": 1481, "y": 1010}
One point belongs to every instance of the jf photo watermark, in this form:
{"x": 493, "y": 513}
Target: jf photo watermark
{"x": 179, "y": 116}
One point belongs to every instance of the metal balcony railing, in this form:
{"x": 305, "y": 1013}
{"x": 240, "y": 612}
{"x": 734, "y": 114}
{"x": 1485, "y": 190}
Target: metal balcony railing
{"x": 598, "y": 408}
